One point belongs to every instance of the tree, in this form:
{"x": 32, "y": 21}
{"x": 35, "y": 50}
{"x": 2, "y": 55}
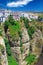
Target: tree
{"x": 31, "y": 30}
{"x": 6, "y": 24}
{"x": 39, "y": 18}
{"x": 26, "y": 22}
{"x": 7, "y": 47}
{"x": 11, "y": 20}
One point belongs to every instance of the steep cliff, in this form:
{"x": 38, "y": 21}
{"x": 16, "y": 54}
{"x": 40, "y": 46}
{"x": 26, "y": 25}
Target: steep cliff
{"x": 3, "y": 55}
{"x": 25, "y": 40}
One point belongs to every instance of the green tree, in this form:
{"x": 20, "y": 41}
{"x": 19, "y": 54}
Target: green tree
{"x": 26, "y": 22}
{"x": 7, "y": 47}
{"x": 11, "y": 20}
{"x": 31, "y": 30}
{"x": 39, "y": 18}
{"x": 6, "y": 24}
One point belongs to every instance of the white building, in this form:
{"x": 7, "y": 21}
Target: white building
{"x": 29, "y": 15}
{"x": 16, "y": 15}
{"x": 26, "y": 15}
{"x": 33, "y": 16}
{"x": 7, "y": 13}
{"x": 4, "y": 14}
{"x": 2, "y": 19}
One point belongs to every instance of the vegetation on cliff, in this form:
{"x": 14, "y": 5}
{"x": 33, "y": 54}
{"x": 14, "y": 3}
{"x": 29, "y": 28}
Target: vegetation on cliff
{"x": 30, "y": 58}
{"x": 11, "y": 59}
{"x": 30, "y": 29}
{"x": 0, "y": 30}
{"x": 13, "y": 27}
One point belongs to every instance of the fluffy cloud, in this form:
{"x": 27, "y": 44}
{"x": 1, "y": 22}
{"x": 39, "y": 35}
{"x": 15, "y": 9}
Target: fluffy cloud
{"x": 19, "y": 3}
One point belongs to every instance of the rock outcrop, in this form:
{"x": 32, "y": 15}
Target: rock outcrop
{"x": 33, "y": 46}
{"x": 3, "y": 55}
{"x": 36, "y": 43}
{"x": 16, "y": 49}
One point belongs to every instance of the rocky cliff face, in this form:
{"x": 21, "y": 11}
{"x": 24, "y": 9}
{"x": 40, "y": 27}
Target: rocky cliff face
{"x": 33, "y": 46}
{"x": 20, "y": 52}
{"x": 3, "y": 55}
{"x": 36, "y": 43}
{"x": 24, "y": 45}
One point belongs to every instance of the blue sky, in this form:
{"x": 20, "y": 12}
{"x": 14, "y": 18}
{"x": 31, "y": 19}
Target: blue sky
{"x": 22, "y": 5}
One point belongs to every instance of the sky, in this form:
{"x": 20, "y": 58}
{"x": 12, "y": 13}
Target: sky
{"x": 22, "y": 5}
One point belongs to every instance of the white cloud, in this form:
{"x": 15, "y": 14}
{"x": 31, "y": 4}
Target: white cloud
{"x": 18, "y": 3}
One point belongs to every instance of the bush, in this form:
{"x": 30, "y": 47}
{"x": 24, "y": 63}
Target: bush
{"x": 31, "y": 30}
{"x": 30, "y": 58}
{"x": 15, "y": 30}
{"x": 11, "y": 20}
{"x": 7, "y": 47}
{"x": 39, "y": 18}
{"x": 0, "y": 33}
{"x": 11, "y": 59}
{"x": 21, "y": 43}
{"x": 26, "y": 22}
{"x": 21, "y": 49}
{"x": 6, "y": 24}
{"x": 20, "y": 34}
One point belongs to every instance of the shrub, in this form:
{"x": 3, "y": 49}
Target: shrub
{"x": 39, "y": 18}
{"x": 7, "y": 47}
{"x": 11, "y": 20}
{"x": 6, "y": 24}
{"x": 31, "y": 30}
{"x": 21, "y": 49}
{"x": 30, "y": 58}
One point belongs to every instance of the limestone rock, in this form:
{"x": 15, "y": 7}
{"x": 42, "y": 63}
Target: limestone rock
{"x": 37, "y": 42}
{"x": 25, "y": 36}
{"x": 3, "y": 55}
